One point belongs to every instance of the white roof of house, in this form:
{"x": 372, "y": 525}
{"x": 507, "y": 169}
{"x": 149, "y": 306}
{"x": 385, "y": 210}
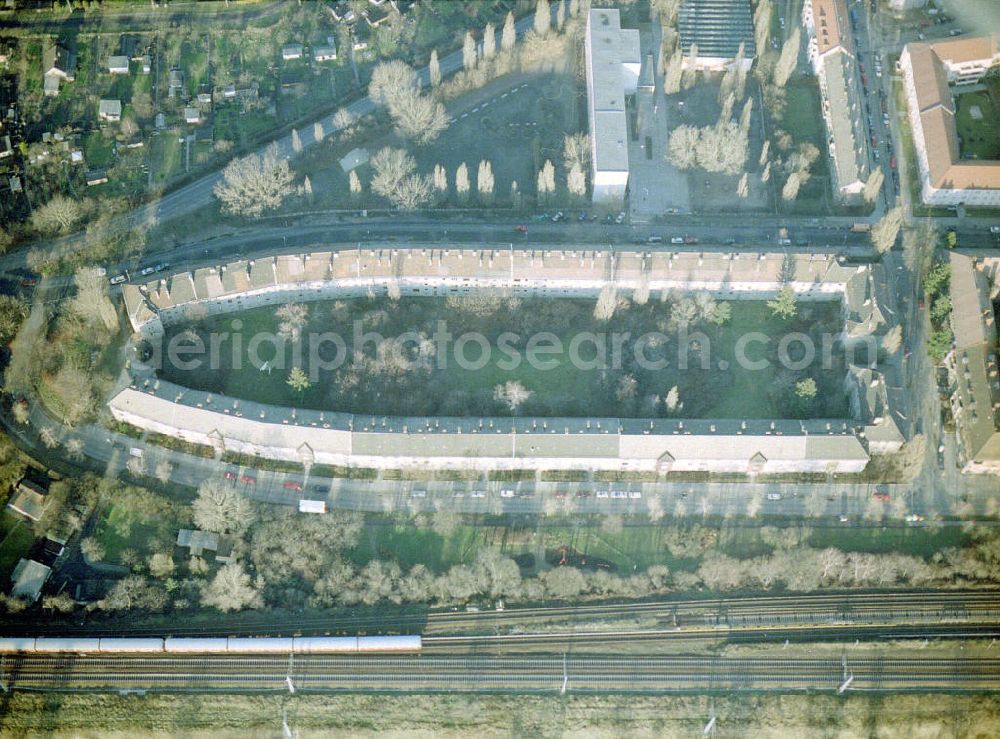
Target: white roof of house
{"x": 607, "y": 89}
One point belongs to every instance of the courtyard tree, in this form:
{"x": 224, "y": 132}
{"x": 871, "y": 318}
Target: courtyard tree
{"x": 788, "y": 59}
{"x": 791, "y": 189}
{"x": 722, "y": 313}
{"x": 784, "y": 304}
{"x": 690, "y": 75}
{"x": 293, "y": 318}
{"x": 883, "y": 234}
{"x": 394, "y": 178}
{"x": 298, "y": 380}
{"x": 231, "y": 590}
{"x": 806, "y": 388}
{"x": 318, "y": 132}
{"x": 73, "y": 389}
{"x": 59, "y": 215}
{"x": 489, "y": 41}
{"x": 722, "y": 148}
{"x": 413, "y": 192}
{"x": 161, "y": 565}
{"x": 674, "y": 72}
{"x": 513, "y": 394}
{"x": 254, "y": 184}
{"x": 484, "y": 182}
{"x": 469, "y": 53}
{"x": 434, "y": 69}
{"x": 222, "y": 509}
{"x": 543, "y": 17}
{"x": 508, "y": 36}
{"x": 762, "y": 23}
{"x": 682, "y": 149}
{"x": 873, "y": 185}
{"x": 546, "y": 180}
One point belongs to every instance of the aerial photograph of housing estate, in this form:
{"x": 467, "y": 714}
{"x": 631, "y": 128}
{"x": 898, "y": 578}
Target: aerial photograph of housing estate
{"x": 500, "y": 367}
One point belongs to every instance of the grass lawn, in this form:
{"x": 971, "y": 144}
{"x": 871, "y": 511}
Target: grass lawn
{"x": 122, "y": 528}
{"x": 98, "y": 150}
{"x": 853, "y": 714}
{"x": 409, "y": 545}
{"x": 16, "y": 537}
{"x": 979, "y": 138}
{"x": 804, "y": 122}
{"x": 458, "y": 378}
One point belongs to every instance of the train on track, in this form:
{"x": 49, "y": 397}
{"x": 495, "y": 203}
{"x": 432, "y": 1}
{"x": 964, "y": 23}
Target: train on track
{"x": 212, "y": 645}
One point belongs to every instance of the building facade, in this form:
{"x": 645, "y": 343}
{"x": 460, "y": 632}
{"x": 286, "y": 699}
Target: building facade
{"x": 930, "y": 69}
{"x": 613, "y": 63}
{"x": 659, "y": 445}
{"x": 830, "y": 49}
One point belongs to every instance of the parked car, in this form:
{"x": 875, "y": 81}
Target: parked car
{"x": 774, "y": 496}
{"x": 521, "y": 228}
{"x": 507, "y": 493}
{"x": 477, "y": 494}
{"x": 634, "y": 494}
{"x": 118, "y": 279}
{"x": 147, "y": 271}
{"x": 582, "y": 493}
{"x": 602, "y": 493}
{"x": 229, "y": 475}
{"x": 677, "y": 240}
{"x": 248, "y": 479}
{"x": 293, "y": 485}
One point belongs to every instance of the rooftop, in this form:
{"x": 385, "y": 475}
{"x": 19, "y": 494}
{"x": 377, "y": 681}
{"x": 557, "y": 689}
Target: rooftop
{"x": 718, "y": 27}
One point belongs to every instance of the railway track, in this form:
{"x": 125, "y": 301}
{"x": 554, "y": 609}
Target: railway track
{"x": 919, "y": 607}
{"x": 481, "y": 673}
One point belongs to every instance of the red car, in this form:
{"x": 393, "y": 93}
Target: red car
{"x": 521, "y": 228}
{"x": 293, "y": 485}
{"x": 230, "y": 475}
{"x": 884, "y": 497}
{"x": 248, "y": 479}
{"x": 892, "y": 161}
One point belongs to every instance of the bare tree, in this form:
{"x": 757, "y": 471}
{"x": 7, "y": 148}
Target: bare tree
{"x": 47, "y": 435}
{"x": 673, "y": 400}
{"x": 765, "y": 150}
{"x": 469, "y": 52}
{"x": 576, "y": 181}
{"x": 508, "y": 36}
{"x": 489, "y": 41}
{"x": 434, "y": 69}
{"x": 391, "y": 80}
{"x": 390, "y": 167}
{"x": 222, "y": 509}
{"x": 788, "y": 59}
{"x": 354, "y": 183}
{"x": 92, "y": 549}
{"x": 512, "y": 393}
{"x": 765, "y": 175}
{"x": 318, "y": 132}
{"x": 440, "y": 179}
{"x": 682, "y": 148}
{"x": 883, "y": 234}
{"x": 92, "y": 303}
{"x": 163, "y": 471}
{"x": 762, "y": 23}
{"x": 484, "y": 181}
{"x": 607, "y": 303}
{"x": 690, "y": 76}
{"x": 231, "y": 590}
{"x": 873, "y": 185}
{"x": 674, "y": 73}
{"x": 58, "y": 215}
{"x": 791, "y": 189}
{"x": 462, "y": 184}
{"x": 296, "y": 141}
{"x": 546, "y": 179}
{"x": 418, "y": 117}
{"x": 576, "y": 150}
{"x": 413, "y": 191}
{"x": 560, "y": 14}
{"x": 74, "y": 448}
{"x": 293, "y": 317}
{"x": 743, "y": 186}
{"x": 745, "y": 115}
{"x": 543, "y": 17}
{"x": 254, "y": 184}
{"x": 345, "y": 121}
{"x": 74, "y": 389}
